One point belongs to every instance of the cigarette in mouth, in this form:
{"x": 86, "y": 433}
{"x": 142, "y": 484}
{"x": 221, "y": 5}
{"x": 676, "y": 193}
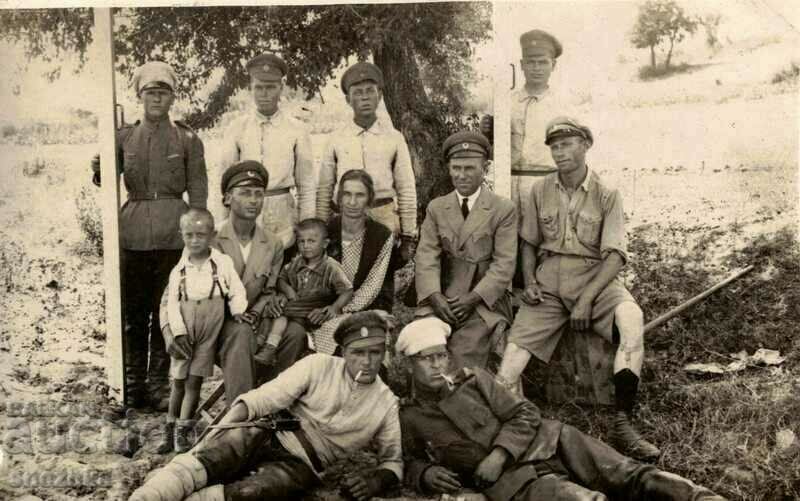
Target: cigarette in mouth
{"x": 449, "y": 381}
{"x": 358, "y": 375}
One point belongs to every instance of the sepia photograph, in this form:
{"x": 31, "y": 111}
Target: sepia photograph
{"x": 477, "y": 250}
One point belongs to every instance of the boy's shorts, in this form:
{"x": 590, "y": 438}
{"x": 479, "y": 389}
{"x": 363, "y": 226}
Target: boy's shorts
{"x": 203, "y": 319}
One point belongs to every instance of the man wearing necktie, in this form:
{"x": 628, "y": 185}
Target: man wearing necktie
{"x": 280, "y": 143}
{"x": 467, "y": 253}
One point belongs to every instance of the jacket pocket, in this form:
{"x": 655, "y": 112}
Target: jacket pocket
{"x": 588, "y": 228}
{"x": 175, "y": 173}
{"x": 548, "y": 223}
{"x": 482, "y": 246}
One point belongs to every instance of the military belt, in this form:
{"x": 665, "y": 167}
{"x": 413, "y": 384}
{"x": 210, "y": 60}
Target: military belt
{"x": 276, "y": 192}
{"x": 310, "y": 452}
{"x": 533, "y": 173}
{"x": 153, "y": 196}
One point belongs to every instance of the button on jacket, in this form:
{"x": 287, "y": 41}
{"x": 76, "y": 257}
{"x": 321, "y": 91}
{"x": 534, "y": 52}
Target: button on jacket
{"x": 160, "y": 162}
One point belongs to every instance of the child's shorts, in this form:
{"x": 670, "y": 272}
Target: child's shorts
{"x": 203, "y": 319}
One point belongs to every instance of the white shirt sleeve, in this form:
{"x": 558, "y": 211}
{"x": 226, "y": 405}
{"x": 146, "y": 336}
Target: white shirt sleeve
{"x": 176, "y": 323}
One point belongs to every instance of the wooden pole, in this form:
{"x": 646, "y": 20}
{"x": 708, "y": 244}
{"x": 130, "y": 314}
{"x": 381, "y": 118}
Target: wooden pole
{"x": 501, "y": 16}
{"x": 693, "y": 301}
{"x": 115, "y": 356}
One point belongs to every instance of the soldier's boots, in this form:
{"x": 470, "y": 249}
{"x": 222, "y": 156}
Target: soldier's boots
{"x": 167, "y": 443}
{"x": 626, "y": 439}
{"x": 184, "y": 435}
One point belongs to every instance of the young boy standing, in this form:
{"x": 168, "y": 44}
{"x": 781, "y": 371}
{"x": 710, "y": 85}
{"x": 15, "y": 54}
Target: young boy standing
{"x": 314, "y": 284}
{"x": 198, "y": 287}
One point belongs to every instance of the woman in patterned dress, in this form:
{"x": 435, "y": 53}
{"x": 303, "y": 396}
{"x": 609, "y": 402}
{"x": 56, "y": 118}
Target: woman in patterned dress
{"x": 364, "y": 247}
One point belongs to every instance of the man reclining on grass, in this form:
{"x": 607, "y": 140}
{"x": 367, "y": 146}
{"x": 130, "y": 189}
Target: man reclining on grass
{"x": 342, "y": 407}
{"x": 466, "y": 430}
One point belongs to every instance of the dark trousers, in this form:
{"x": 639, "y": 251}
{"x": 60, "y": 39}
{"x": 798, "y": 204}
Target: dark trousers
{"x": 237, "y": 346}
{"x": 232, "y": 454}
{"x": 587, "y": 469}
{"x": 144, "y": 278}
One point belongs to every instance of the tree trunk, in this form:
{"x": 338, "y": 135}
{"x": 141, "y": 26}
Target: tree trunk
{"x": 653, "y": 56}
{"x": 413, "y": 114}
{"x": 669, "y": 54}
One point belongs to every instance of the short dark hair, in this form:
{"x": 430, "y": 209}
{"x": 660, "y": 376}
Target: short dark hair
{"x": 198, "y": 214}
{"x": 357, "y": 175}
{"x": 313, "y": 223}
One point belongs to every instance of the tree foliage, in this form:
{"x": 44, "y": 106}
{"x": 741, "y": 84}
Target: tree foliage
{"x": 48, "y": 34}
{"x": 661, "y": 21}
{"x": 424, "y": 50}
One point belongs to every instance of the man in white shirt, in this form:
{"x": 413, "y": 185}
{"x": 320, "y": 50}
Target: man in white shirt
{"x": 342, "y": 406}
{"x": 280, "y": 143}
{"x": 374, "y": 145}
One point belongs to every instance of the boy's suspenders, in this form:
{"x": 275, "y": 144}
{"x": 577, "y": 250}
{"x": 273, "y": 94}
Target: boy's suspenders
{"x": 182, "y": 296}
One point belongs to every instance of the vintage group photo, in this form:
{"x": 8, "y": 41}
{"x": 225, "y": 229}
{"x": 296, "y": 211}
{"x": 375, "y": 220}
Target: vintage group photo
{"x": 501, "y": 251}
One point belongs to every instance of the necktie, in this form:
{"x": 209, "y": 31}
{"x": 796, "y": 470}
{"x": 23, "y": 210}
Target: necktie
{"x": 464, "y": 208}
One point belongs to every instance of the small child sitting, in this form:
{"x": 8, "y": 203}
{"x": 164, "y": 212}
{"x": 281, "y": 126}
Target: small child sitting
{"x": 314, "y": 284}
{"x": 198, "y": 287}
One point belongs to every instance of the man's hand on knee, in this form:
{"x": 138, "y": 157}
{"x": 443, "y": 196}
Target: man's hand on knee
{"x": 441, "y": 307}
{"x": 581, "y": 317}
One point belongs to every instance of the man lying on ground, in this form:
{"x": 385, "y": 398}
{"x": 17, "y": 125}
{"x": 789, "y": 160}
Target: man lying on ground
{"x": 342, "y": 406}
{"x": 465, "y": 430}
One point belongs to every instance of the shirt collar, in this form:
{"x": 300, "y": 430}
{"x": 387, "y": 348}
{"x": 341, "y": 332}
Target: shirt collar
{"x": 156, "y": 126}
{"x": 470, "y": 199}
{"x": 584, "y": 185}
{"x": 525, "y": 96}
{"x": 264, "y": 119}
{"x": 185, "y": 263}
{"x": 377, "y": 128}
{"x": 318, "y": 268}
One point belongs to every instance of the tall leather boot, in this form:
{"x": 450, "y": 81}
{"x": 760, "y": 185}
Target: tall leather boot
{"x": 623, "y": 435}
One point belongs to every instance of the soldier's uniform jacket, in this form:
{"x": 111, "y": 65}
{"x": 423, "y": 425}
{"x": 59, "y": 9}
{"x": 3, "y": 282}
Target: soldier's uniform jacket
{"x": 455, "y": 256}
{"x": 458, "y": 428}
{"x": 160, "y": 161}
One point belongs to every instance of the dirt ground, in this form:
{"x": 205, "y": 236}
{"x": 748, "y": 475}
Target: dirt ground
{"x": 719, "y": 176}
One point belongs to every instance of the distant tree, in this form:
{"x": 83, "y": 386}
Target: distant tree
{"x": 661, "y": 21}
{"x": 424, "y": 50}
{"x": 710, "y": 23}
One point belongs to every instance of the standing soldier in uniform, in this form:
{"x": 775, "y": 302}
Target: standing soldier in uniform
{"x": 467, "y": 252}
{"x": 532, "y": 107}
{"x": 280, "y": 143}
{"x": 161, "y": 159}
{"x": 574, "y": 247}
{"x": 372, "y": 144}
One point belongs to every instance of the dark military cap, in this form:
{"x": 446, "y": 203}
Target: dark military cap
{"x": 466, "y": 144}
{"x": 268, "y": 67}
{"x": 247, "y": 173}
{"x": 361, "y": 72}
{"x": 365, "y": 327}
{"x": 538, "y": 40}
{"x": 566, "y": 127}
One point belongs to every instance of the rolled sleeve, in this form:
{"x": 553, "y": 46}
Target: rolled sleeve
{"x": 196, "y": 174}
{"x": 614, "y": 237}
{"x": 406, "y": 187}
{"x": 325, "y": 182}
{"x": 388, "y": 442}
{"x": 304, "y": 175}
